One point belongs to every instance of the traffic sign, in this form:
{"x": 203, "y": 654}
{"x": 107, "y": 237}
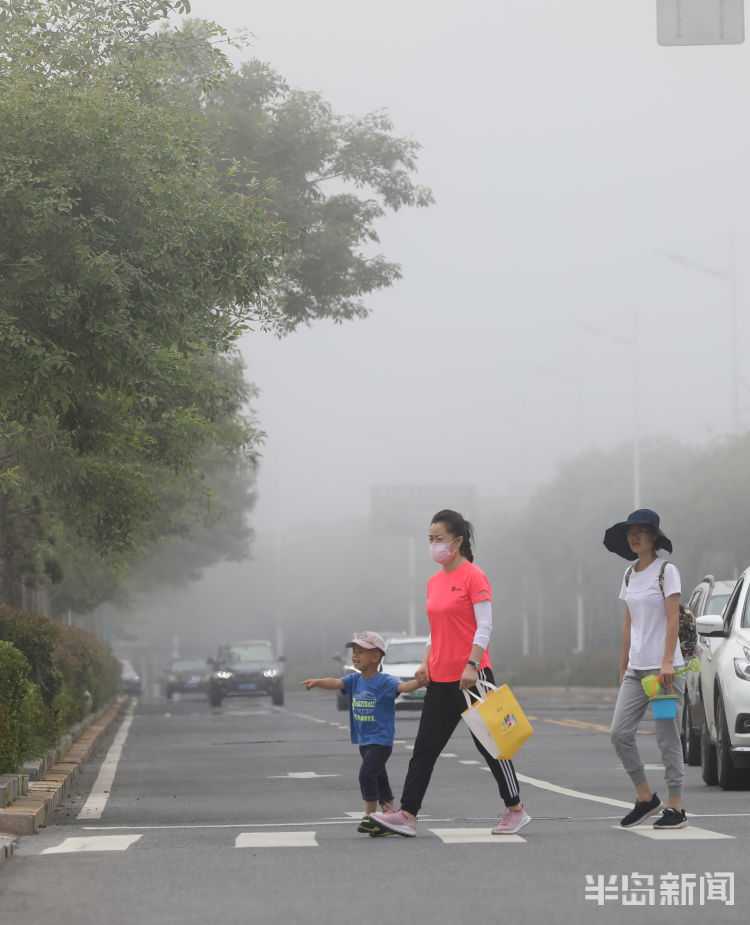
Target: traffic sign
{"x": 700, "y": 22}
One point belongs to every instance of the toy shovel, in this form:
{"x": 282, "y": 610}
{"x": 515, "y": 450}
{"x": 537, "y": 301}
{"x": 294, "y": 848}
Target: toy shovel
{"x": 651, "y": 683}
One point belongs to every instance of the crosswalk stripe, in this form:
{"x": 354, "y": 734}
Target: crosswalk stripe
{"x": 475, "y": 837}
{"x": 691, "y": 833}
{"x": 94, "y": 843}
{"x": 276, "y": 840}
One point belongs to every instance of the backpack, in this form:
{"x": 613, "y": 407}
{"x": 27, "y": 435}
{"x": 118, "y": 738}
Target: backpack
{"x": 687, "y": 635}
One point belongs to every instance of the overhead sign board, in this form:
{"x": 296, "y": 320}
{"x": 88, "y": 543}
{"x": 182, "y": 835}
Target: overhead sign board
{"x": 700, "y": 22}
{"x": 405, "y": 510}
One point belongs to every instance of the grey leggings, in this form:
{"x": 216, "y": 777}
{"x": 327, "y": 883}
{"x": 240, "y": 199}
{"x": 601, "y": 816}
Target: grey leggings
{"x": 630, "y": 708}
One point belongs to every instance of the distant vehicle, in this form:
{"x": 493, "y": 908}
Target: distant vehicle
{"x": 345, "y": 660}
{"x": 186, "y": 676}
{"x": 708, "y": 597}
{"x": 403, "y": 656}
{"x": 246, "y": 669}
{"x": 131, "y": 680}
{"x": 725, "y": 690}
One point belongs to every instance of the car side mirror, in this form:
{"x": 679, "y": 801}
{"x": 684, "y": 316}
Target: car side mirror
{"x": 710, "y": 624}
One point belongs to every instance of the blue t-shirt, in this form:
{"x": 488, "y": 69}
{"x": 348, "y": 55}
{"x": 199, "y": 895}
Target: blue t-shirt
{"x": 372, "y": 707}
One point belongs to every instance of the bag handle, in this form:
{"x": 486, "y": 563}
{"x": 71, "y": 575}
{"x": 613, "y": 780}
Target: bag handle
{"x": 654, "y": 695}
{"x": 481, "y": 683}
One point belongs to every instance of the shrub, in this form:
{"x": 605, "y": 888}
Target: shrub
{"x": 14, "y": 672}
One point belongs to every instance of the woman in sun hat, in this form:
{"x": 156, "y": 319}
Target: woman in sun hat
{"x": 650, "y": 645}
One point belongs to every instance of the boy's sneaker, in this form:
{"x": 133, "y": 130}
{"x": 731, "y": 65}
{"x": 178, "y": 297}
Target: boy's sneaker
{"x": 641, "y": 810}
{"x": 367, "y": 825}
{"x": 671, "y": 819}
{"x": 396, "y": 822}
{"x": 511, "y": 821}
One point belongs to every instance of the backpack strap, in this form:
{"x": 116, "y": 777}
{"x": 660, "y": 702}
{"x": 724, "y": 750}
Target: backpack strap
{"x": 628, "y": 573}
{"x": 661, "y": 577}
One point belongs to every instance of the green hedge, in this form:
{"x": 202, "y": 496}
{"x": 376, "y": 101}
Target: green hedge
{"x": 62, "y": 666}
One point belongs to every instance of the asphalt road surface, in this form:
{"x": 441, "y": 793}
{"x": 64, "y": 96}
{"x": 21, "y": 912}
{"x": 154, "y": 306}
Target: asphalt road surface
{"x": 248, "y": 814}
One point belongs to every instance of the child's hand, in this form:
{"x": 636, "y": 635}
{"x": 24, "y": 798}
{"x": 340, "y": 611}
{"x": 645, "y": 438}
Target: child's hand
{"x": 311, "y": 682}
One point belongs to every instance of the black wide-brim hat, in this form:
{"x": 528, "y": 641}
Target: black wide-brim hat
{"x": 615, "y": 538}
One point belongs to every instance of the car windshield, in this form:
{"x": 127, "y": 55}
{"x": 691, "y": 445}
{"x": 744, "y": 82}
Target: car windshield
{"x": 717, "y": 604}
{"x": 193, "y": 665}
{"x": 405, "y": 652}
{"x": 254, "y": 652}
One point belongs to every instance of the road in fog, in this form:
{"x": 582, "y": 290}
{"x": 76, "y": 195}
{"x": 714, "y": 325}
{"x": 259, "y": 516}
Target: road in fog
{"x": 249, "y": 813}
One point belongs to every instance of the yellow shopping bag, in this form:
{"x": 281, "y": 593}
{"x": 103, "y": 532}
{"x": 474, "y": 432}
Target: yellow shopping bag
{"x": 496, "y": 719}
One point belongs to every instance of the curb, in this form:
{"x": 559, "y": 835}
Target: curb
{"x": 30, "y": 804}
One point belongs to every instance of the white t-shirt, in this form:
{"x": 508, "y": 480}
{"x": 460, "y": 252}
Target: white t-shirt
{"x": 648, "y": 615}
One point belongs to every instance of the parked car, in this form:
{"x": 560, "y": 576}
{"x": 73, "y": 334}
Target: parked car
{"x": 403, "y": 656}
{"x": 186, "y": 676}
{"x": 708, "y": 597}
{"x": 246, "y": 669}
{"x": 725, "y": 690}
{"x": 345, "y": 660}
{"x": 131, "y": 680}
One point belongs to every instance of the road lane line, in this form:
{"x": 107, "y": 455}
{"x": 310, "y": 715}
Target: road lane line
{"x": 94, "y": 843}
{"x": 475, "y": 837}
{"x": 94, "y": 805}
{"x": 566, "y": 791}
{"x": 689, "y": 834}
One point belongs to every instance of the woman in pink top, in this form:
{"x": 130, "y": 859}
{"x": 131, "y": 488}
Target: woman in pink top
{"x": 459, "y": 608}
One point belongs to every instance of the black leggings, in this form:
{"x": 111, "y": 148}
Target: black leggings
{"x": 444, "y": 703}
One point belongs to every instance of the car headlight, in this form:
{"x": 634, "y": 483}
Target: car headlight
{"x": 270, "y": 673}
{"x": 224, "y": 675}
{"x": 742, "y": 665}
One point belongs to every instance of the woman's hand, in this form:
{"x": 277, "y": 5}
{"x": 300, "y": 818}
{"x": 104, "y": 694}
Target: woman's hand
{"x": 468, "y": 678}
{"x": 667, "y": 672}
{"x": 422, "y": 674}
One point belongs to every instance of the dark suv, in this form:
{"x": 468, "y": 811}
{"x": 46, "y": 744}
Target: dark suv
{"x": 246, "y": 669}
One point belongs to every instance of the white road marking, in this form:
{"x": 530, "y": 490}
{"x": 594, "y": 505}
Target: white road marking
{"x": 578, "y": 794}
{"x": 691, "y": 833}
{"x": 448, "y": 755}
{"x": 94, "y": 843}
{"x": 471, "y": 761}
{"x": 299, "y": 775}
{"x": 97, "y": 800}
{"x": 276, "y": 840}
{"x": 475, "y": 837}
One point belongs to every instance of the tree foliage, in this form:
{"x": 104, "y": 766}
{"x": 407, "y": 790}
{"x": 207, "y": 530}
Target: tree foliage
{"x": 153, "y": 207}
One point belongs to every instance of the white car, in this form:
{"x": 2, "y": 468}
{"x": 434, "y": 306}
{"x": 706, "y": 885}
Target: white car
{"x": 725, "y": 690}
{"x": 403, "y": 656}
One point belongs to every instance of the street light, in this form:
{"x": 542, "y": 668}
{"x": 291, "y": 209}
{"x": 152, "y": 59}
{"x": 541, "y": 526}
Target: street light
{"x": 730, "y": 275}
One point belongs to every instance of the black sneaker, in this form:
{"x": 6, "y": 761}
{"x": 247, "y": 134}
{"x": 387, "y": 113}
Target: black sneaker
{"x": 639, "y": 812}
{"x": 671, "y": 819}
{"x": 368, "y": 825}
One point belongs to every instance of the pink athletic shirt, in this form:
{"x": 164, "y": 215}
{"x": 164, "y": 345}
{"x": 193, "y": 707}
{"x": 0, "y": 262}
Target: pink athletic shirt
{"x": 450, "y": 609}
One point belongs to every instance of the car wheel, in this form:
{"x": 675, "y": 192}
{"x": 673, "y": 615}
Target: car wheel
{"x": 214, "y": 697}
{"x": 278, "y": 697}
{"x": 691, "y": 741}
{"x": 708, "y": 753}
{"x": 728, "y": 776}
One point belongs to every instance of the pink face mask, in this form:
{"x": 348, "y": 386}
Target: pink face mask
{"x": 441, "y": 552}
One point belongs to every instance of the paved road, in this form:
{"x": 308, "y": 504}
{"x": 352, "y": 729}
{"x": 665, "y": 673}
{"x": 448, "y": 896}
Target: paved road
{"x": 248, "y": 814}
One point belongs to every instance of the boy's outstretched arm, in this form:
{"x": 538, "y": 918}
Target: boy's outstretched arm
{"x": 328, "y": 684}
{"x": 406, "y": 687}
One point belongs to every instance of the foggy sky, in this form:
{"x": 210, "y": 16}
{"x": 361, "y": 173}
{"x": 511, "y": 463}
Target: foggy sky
{"x": 564, "y": 147}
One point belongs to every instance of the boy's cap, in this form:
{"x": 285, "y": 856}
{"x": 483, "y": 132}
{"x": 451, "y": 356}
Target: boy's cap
{"x": 368, "y": 640}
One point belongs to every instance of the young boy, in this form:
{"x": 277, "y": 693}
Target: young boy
{"x": 372, "y": 719}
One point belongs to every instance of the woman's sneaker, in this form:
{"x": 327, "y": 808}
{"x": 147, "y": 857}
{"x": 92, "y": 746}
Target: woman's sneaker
{"x": 641, "y": 810}
{"x": 511, "y": 821}
{"x": 396, "y": 822}
{"x": 367, "y": 825}
{"x": 671, "y": 819}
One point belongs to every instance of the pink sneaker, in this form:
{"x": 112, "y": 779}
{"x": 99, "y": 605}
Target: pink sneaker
{"x": 511, "y": 821}
{"x": 396, "y": 822}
